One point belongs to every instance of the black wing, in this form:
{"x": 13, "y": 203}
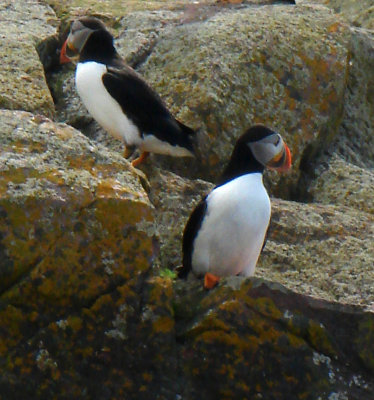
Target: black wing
{"x": 144, "y": 107}
{"x": 189, "y": 235}
{"x": 267, "y": 234}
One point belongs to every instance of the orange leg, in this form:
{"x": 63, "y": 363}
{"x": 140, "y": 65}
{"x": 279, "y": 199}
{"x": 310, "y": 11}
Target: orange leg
{"x": 210, "y": 281}
{"x": 140, "y": 159}
{"x": 128, "y": 152}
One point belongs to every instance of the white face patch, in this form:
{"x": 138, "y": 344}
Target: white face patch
{"x": 265, "y": 149}
{"x": 78, "y": 35}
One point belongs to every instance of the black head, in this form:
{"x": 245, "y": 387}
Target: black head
{"x": 259, "y": 147}
{"x": 90, "y": 40}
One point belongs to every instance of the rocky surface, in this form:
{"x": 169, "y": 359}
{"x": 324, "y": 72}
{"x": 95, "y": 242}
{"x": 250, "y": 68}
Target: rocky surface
{"x": 89, "y": 304}
{"x": 341, "y": 182}
{"x": 358, "y": 13}
{"x": 290, "y": 76}
{"x": 25, "y": 24}
{"x": 69, "y": 224}
{"x": 291, "y": 344}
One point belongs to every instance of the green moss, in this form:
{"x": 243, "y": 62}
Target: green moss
{"x": 167, "y": 273}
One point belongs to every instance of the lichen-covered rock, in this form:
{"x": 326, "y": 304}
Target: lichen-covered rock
{"x": 354, "y": 141}
{"x": 27, "y": 20}
{"x": 85, "y": 311}
{"x": 343, "y": 173}
{"x": 343, "y": 183}
{"x": 358, "y": 13}
{"x": 69, "y": 224}
{"x": 282, "y": 65}
{"x": 25, "y": 25}
{"x": 322, "y": 250}
{"x": 115, "y": 8}
{"x": 29, "y": 91}
{"x": 253, "y": 339}
{"x": 119, "y": 345}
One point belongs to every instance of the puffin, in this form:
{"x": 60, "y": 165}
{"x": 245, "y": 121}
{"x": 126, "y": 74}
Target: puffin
{"x": 118, "y": 98}
{"x": 225, "y": 233}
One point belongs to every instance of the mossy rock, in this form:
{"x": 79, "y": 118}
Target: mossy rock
{"x": 70, "y": 223}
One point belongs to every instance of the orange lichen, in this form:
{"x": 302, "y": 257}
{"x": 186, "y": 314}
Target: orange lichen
{"x": 319, "y": 339}
{"x": 333, "y": 28}
{"x": 163, "y": 325}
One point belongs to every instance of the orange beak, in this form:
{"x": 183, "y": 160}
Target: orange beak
{"x": 63, "y": 57}
{"x": 283, "y": 161}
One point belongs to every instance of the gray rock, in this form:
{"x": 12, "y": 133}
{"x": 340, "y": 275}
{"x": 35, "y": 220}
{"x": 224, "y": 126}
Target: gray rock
{"x": 83, "y": 290}
{"x": 23, "y": 84}
{"x": 344, "y": 173}
{"x": 56, "y": 192}
{"x": 281, "y": 65}
{"x": 25, "y": 24}
{"x": 325, "y": 251}
{"x": 358, "y": 13}
{"x": 261, "y": 341}
{"x": 354, "y": 141}
{"x": 343, "y": 183}
{"x": 27, "y": 20}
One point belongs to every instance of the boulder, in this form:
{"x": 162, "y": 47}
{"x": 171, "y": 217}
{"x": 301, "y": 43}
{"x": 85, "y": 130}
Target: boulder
{"x": 343, "y": 173}
{"x": 113, "y": 8}
{"x": 322, "y": 250}
{"x": 253, "y": 339}
{"x": 89, "y": 307}
{"x": 249, "y": 65}
{"x": 119, "y": 345}
{"x": 23, "y": 84}
{"x": 340, "y": 182}
{"x": 70, "y": 216}
{"x": 358, "y": 13}
{"x": 354, "y": 141}
{"x": 27, "y": 20}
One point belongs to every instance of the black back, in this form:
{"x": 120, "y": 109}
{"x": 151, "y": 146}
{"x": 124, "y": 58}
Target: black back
{"x": 144, "y": 107}
{"x": 189, "y": 235}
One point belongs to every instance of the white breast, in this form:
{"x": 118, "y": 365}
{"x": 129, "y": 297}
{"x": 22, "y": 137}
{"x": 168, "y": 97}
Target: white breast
{"x": 103, "y": 107}
{"x": 232, "y": 233}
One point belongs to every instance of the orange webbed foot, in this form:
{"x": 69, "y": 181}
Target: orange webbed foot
{"x": 210, "y": 281}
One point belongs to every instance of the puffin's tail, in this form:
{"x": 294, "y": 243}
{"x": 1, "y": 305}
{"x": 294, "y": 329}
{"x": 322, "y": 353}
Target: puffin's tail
{"x": 189, "y": 137}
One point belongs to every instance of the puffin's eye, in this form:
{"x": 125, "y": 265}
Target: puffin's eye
{"x": 277, "y": 140}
